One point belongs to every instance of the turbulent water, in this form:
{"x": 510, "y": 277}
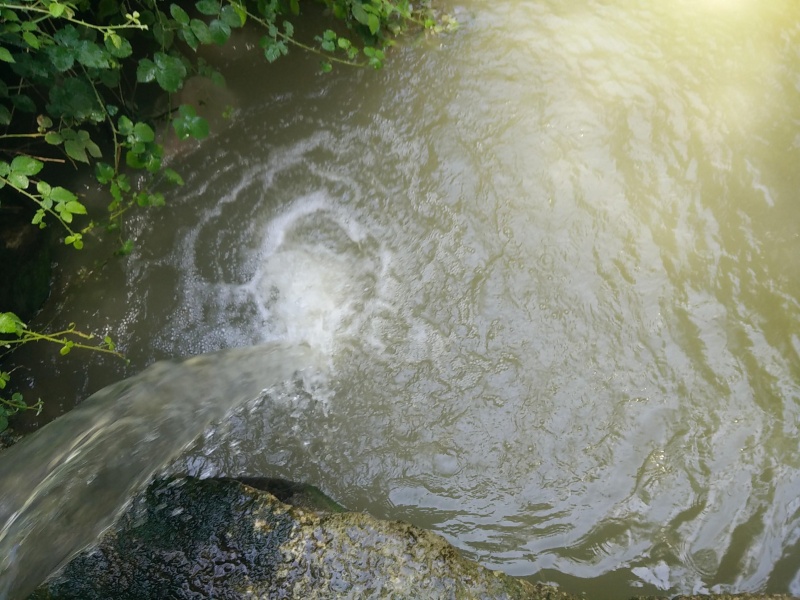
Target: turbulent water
{"x": 64, "y": 485}
{"x": 552, "y": 261}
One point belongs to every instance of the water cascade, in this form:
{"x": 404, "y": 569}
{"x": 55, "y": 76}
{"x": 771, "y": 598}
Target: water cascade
{"x": 67, "y": 483}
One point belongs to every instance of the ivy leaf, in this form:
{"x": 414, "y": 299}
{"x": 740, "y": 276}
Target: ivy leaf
{"x": 374, "y": 24}
{"x": 169, "y": 72}
{"x": 76, "y": 150}
{"x": 44, "y": 188}
{"x": 230, "y": 15}
{"x": 273, "y": 49}
{"x": 220, "y": 31}
{"x": 44, "y": 122}
{"x": 67, "y": 36}
{"x": 208, "y": 7}
{"x": 103, "y": 172}
{"x": 25, "y": 165}
{"x": 124, "y": 250}
{"x": 360, "y": 14}
{"x": 74, "y": 98}
{"x": 57, "y": 9}
{"x": 53, "y": 138}
{"x": 31, "y": 40}
{"x": 92, "y": 55}
{"x": 38, "y": 218}
{"x": 5, "y": 55}
{"x": 61, "y": 57}
{"x": 189, "y": 124}
{"x": 5, "y": 115}
{"x": 23, "y": 103}
{"x": 145, "y": 71}
{"x": 163, "y": 34}
{"x": 60, "y": 194}
{"x": 201, "y": 31}
{"x": 118, "y": 46}
{"x": 241, "y": 12}
{"x": 75, "y": 207}
{"x": 190, "y": 38}
{"x": 18, "y": 180}
{"x": 180, "y": 15}
{"x": 11, "y": 323}
{"x": 76, "y": 242}
{"x": 173, "y": 176}
{"x": 125, "y": 125}
{"x": 143, "y": 132}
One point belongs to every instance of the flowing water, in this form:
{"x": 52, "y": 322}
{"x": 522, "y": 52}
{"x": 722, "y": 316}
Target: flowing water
{"x": 65, "y": 485}
{"x": 553, "y": 264}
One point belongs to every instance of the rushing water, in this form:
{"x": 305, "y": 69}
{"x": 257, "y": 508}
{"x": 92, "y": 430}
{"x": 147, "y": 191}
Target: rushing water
{"x": 553, "y": 261}
{"x": 64, "y": 485}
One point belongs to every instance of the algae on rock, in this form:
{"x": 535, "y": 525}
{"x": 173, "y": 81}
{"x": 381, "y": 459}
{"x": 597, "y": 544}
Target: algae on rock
{"x": 190, "y": 538}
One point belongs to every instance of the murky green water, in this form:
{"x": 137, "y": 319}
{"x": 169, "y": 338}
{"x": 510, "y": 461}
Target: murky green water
{"x": 553, "y": 259}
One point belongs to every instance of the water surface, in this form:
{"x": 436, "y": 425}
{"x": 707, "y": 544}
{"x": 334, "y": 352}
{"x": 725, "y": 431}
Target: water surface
{"x": 553, "y": 262}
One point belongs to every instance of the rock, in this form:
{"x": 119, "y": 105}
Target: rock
{"x": 222, "y": 539}
{"x": 190, "y": 538}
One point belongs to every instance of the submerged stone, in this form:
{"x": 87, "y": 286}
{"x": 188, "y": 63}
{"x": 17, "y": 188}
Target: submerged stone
{"x": 191, "y": 538}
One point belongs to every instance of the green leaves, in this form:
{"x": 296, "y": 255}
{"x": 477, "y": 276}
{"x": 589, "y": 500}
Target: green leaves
{"x": 189, "y": 124}
{"x": 273, "y": 47}
{"x": 168, "y": 71}
{"x": 77, "y": 144}
{"x": 117, "y": 46}
{"x": 375, "y": 57}
{"x": 142, "y": 151}
{"x": 208, "y": 7}
{"x": 57, "y": 9}
{"x": 10, "y": 323}
{"x": 74, "y": 99}
{"x": 17, "y": 173}
{"x": 233, "y": 14}
{"x": 5, "y": 55}
{"x": 367, "y": 14}
{"x": 180, "y": 15}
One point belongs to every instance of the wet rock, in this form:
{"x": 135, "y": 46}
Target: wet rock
{"x": 8, "y": 438}
{"x": 222, "y": 539}
{"x": 192, "y": 538}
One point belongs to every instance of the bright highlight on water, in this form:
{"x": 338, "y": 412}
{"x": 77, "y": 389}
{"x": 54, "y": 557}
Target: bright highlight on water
{"x": 551, "y": 262}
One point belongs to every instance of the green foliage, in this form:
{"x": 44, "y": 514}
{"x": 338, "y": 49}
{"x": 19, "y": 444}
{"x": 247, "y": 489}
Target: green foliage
{"x": 72, "y": 76}
{"x": 13, "y": 332}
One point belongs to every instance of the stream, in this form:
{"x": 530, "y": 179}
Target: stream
{"x": 552, "y": 264}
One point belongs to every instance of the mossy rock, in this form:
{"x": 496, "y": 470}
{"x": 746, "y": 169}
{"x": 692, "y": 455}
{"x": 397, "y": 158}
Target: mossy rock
{"x": 190, "y": 538}
{"x": 222, "y": 539}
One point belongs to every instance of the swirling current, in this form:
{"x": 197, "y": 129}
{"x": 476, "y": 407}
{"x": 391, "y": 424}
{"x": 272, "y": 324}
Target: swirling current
{"x": 552, "y": 260}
